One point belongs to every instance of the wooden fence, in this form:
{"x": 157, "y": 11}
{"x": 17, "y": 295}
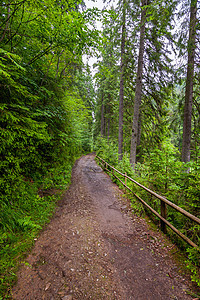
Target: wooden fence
{"x": 163, "y": 203}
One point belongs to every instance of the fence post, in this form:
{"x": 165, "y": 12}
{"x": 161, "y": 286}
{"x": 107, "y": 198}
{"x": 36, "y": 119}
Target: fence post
{"x": 164, "y": 215}
{"x": 125, "y": 182}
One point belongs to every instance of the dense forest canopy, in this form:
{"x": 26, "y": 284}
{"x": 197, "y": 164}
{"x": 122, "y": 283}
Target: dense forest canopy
{"x": 141, "y": 109}
{"x": 160, "y": 41}
{"x": 46, "y": 105}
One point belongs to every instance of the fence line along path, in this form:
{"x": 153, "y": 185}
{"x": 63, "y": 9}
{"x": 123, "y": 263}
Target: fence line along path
{"x": 163, "y": 202}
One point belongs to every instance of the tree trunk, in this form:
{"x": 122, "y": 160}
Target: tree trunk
{"x": 138, "y": 89}
{"x": 6, "y": 27}
{"x": 58, "y": 63}
{"x": 108, "y": 131}
{"x": 108, "y": 121}
{"x": 121, "y": 93}
{"x": 189, "y": 84}
{"x": 102, "y": 117}
{"x": 139, "y": 134}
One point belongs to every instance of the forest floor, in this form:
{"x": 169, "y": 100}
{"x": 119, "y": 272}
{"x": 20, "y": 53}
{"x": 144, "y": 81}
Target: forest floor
{"x": 96, "y": 248}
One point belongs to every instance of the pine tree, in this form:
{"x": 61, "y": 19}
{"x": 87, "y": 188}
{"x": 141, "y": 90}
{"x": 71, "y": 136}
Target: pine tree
{"x": 122, "y": 73}
{"x": 189, "y": 83}
{"x": 138, "y": 89}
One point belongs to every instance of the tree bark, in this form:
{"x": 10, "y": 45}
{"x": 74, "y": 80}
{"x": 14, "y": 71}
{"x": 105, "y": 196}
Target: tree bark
{"x": 6, "y": 27}
{"x": 108, "y": 131}
{"x": 102, "y": 117}
{"x": 58, "y": 63}
{"x": 121, "y": 93}
{"x": 108, "y": 122}
{"x": 139, "y": 133}
{"x": 189, "y": 84}
{"x": 138, "y": 89}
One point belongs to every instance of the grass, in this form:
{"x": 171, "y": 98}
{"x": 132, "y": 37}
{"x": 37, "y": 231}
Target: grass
{"x": 21, "y": 222}
{"x": 15, "y": 243}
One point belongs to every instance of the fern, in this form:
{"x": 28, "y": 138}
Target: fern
{"x": 26, "y": 223}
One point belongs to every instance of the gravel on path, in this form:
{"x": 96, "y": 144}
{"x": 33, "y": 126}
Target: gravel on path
{"x": 96, "y": 248}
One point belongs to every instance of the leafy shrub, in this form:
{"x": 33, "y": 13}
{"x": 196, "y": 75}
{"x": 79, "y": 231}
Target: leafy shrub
{"x": 42, "y": 133}
{"x": 162, "y": 172}
{"x": 107, "y": 151}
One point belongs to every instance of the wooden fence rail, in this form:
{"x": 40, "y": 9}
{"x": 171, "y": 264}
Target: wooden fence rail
{"x": 164, "y": 202}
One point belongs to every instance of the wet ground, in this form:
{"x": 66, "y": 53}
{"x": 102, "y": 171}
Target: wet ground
{"x": 96, "y": 248}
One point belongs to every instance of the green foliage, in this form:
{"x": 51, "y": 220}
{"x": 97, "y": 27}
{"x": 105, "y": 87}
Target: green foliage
{"x": 22, "y": 219}
{"x": 193, "y": 264}
{"x": 39, "y": 143}
{"x": 161, "y": 115}
{"x": 162, "y": 172}
{"x": 45, "y": 120}
{"x": 107, "y": 151}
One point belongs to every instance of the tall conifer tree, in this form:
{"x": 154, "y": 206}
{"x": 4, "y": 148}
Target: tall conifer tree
{"x": 121, "y": 92}
{"x": 189, "y": 83}
{"x": 138, "y": 89}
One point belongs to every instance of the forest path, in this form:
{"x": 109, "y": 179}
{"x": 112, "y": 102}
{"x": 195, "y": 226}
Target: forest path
{"x": 95, "y": 248}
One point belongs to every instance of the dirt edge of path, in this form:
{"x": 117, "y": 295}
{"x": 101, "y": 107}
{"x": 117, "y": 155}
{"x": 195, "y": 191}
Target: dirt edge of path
{"x": 87, "y": 250}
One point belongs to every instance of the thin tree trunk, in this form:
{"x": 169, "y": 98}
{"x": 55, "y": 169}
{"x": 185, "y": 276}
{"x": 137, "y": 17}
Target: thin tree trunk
{"x": 139, "y": 132}
{"x": 57, "y": 67}
{"x": 58, "y": 63}
{"x": 138, "y": 89}
{"x": 108, "y": 132}
{"x": 108, "y": 126}
{"x": 121, "y": 93}
{"x": 189, "y": 84}
{"x": 102, "y": 117}
{"x": 6, "y": 27}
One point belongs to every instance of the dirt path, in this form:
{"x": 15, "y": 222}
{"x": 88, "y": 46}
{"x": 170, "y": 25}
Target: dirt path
{"x": 95, "y": 249}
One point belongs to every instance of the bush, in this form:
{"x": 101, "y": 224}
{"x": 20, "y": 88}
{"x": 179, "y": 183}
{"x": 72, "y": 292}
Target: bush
{"x": 162, "y": 172}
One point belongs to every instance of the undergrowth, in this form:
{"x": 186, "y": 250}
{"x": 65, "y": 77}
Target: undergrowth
{"x": 22, "y": 220}
{"x": 162, "y": 172}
